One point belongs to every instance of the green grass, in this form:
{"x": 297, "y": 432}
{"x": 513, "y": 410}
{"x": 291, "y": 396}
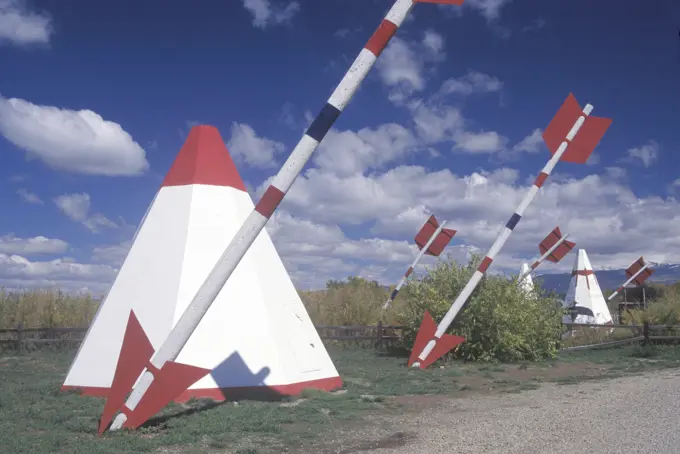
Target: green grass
{"x": 35, "y": 417}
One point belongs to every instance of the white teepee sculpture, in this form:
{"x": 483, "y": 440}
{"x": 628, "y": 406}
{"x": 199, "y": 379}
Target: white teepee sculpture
{"x": 527, "y": 283}
{"x": 257, "y": 337}
{"x": 584, "y": 298}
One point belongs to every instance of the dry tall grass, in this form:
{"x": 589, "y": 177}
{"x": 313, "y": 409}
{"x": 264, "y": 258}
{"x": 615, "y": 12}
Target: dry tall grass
{"x": 355, "y": 303}
{"x": 45, "y": 309}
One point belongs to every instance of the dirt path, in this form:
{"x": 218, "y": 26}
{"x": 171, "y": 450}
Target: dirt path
{"x": 634, "y": 414}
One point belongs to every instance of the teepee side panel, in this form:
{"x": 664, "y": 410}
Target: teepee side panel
{"x": 147, "y": 283}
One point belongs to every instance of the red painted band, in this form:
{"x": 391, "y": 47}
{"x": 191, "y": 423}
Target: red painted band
{"x": 540, "y": 179}
{"x": 485, "y": 265}
{"x": 381, "y": 37}
{"x": 269, "y": 201}
{"x": 409, "y": 271}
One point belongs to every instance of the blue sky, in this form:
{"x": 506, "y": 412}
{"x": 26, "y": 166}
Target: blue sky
{"x": 447, "y": 122}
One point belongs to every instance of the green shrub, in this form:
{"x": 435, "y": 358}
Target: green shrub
{"x": 500, "y": 321}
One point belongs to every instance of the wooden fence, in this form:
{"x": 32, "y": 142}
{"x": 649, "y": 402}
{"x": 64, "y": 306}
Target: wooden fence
{"x": 19, "y": 337}
{"x": 380, "y": 335}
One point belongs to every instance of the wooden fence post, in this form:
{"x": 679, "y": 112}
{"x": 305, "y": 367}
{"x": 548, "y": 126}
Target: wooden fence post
{"x": 645, "y": 333}
{"x": 380, "y": 334}
{"x": 20, "y": 337}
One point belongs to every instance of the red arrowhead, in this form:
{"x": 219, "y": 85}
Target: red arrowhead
{"x": 425, "y": 334}
{"x": 134, "y": 356}
{"x": 169, "y": 382}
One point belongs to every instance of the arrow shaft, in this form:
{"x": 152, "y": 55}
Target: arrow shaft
{"x": 628, "y": 282}
{"x": 543, "y": 257}
{"x": 420, "y": 255}
{"x": 270, "y": 200}
{"x": 502, "y": 238}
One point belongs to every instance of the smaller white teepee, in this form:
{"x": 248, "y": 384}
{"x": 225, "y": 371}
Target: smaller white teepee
{"x": 527, "y": 283}
{"x": 584, "y": 298}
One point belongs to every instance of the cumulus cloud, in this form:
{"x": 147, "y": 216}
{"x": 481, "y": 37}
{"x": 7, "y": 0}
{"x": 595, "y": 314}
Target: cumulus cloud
{"x": 18, "y": 272}
{"x": 113, "y": 254}
{"x": 19, "y": 25}
{"x": 646, "y": 154}
{"x": 245, "y": 145}
{"x": 266, "y": 12}
{"x": 77, "y": 208}
{"x": 402, "y": 65}
{"x": 490, "y": 9}
{"x": 11, "y": 244}
{"x": 470, "y": 83}
{"x": 69, "y": 140}
{"x": 29, "y": 197}
{"x": 601, "y": 212}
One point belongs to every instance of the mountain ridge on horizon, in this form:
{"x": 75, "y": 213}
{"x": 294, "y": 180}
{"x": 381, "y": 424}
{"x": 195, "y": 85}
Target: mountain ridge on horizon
{"x": 610, "y": 278}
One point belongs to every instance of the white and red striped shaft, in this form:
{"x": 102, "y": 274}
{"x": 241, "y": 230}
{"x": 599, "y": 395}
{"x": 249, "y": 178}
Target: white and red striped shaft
{"x": 501, "y": 239}
{"x": 632, "y": 278}
{"x": 410, "y": 269}
{"x": 543, "y": 257}
{"x": 272, "y": 197}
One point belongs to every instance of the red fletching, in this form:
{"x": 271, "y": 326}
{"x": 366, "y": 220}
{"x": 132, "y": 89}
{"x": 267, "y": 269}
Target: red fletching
{"x": 425, "y": 334}
{"x": 587, "y": 138}
{"x": 550, "y": 240}
{"x": 169, "y": 382}
{"x": 439, "y": 243}
{"x": 135, "y": 354}
{"x": 634, "y": 268}
{"x": 426, "y": 232}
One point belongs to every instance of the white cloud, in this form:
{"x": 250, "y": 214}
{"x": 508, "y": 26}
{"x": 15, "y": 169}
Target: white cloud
{"x": 470, "y": 83}
{"x": 74, "y": 141}
{"x": 18, "y": 272}
{"x": 481, "y": 142}
{"x": 266, "y": 13}
{"x": 531, "y": 143}
{"x": 11, "y": 244}
{"x": 646, "y": 154}
{"x": 602, "y": 214}
{"x": 256, "y": 151}
{"x": 77, "y": 208}
{"x": 490, "y": 9}
{"x": 348, "y": 152}
{"x": 536, "y": 24}
{"x": 20, "y": 26}
{"x": 113, "y": 255}
{"x": 402, "y": 64}
{"x": 29, "y": 197}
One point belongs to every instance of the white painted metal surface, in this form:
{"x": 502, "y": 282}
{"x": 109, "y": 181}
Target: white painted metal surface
{"x": 586, "y": 292}
{"x": 257, "y": 320}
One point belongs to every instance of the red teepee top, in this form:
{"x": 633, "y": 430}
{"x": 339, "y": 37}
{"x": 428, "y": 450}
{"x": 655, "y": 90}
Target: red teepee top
{"x": 204, "y": 159}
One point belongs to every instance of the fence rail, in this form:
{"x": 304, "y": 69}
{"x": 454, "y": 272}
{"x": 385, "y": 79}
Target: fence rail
{"x": 381, "y": 335}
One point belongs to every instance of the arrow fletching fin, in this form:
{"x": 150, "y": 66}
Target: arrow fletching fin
{"x": 634, "y": 268}
{"x": 587, "y": 138}
{"x": 426, "y": 232}
{"x": 169, "y": 382}
{"x": 550, "y": 240}
{"x": 425, "y": 334}
{"x": 440, "y": 243}
{"x": 135, "y": 354}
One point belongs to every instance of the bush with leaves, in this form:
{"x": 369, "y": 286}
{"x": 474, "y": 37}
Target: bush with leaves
{"x": 501, "y": 322}
{"x": 664, "y": 310}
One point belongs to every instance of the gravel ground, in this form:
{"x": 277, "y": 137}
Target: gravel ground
{"x": 635, "y": 414}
